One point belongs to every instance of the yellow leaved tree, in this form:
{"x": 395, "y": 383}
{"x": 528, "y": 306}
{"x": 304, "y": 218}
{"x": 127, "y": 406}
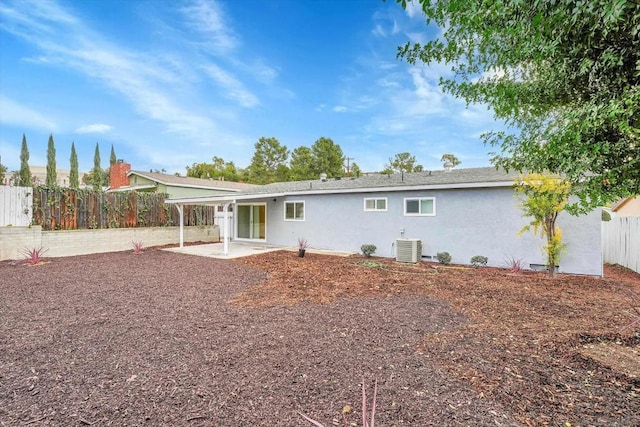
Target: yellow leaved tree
{"x": 543, "y": 197}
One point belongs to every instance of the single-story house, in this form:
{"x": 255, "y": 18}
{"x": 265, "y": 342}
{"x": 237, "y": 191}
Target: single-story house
{"x": 465, "y": 212}
{"x": 122, "y": 178}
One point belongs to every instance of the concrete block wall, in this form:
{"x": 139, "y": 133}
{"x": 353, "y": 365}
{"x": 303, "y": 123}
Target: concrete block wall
{"x": 13, "y": 240}
{"x": 62, "y": 243}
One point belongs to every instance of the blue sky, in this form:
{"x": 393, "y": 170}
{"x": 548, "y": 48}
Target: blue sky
{"x": 171, "y": 83}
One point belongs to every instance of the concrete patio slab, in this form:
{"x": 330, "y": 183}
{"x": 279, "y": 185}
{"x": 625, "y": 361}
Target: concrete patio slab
{"x": 242, "y": 249}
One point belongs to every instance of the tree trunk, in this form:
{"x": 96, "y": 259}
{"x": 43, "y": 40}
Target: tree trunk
{"x": 551, "y": 251}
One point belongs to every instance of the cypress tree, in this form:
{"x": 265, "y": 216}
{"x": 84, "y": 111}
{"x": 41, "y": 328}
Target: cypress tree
{"x": 112, "y": 158}
{"x": 73, "y": 172}
{"x": 25, "y": 172}
{"x": 96, "y": 178}
{"x": 51, "y": 180}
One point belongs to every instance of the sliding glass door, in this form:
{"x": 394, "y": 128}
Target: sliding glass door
{"x": 252, "y": 222}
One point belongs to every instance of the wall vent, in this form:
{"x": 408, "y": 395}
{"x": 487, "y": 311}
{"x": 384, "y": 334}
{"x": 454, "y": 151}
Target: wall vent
{"x": 408, "y": 250}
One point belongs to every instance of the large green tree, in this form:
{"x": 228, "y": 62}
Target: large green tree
{"x": 450, "y": 159}
{"x": 73, "y": 169}
{"x": 355, "y": 170}
{"x": 562, "y": 74}
{"x": 301, "y": 164}
{"x": 269, "y": 162}
{"x": 403, "y": 162}
{"x": 327, "y": 158}
{"x": 24, "y": 176}
{"x": 52, "y": 175}
{"x": 218, "y": 169}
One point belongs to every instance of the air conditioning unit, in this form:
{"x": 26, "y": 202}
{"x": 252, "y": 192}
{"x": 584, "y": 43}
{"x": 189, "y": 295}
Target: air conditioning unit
{"x": 408, "y": 250}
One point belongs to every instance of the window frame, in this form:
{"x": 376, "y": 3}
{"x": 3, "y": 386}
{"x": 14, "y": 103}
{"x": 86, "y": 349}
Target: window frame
{"x": 295, "y": 202}
{"x": 375, "y": 200}
{"x": 419, "y": 199}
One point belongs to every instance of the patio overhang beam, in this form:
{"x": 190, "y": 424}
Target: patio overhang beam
{"x": 221, "y": 200}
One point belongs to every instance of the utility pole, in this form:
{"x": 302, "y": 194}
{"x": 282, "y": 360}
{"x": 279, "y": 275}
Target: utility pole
{"x": 348, "y": 165}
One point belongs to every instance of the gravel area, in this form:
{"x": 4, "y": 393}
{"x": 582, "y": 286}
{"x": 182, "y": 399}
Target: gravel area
{"x": 162, "y": 338}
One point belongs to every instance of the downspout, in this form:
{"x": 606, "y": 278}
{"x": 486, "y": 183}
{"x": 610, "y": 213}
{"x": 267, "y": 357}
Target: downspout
{"x": 180, "y": 211}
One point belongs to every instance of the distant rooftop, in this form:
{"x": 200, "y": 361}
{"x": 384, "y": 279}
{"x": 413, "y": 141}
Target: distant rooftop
{"x": 182, "y": 181}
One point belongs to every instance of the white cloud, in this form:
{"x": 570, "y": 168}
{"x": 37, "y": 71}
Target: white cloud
{"x": 208, "y": 18}
{"x": 340, "y": 109}
{"x": 33, "y": 15}
{"x": 385, "y": 25}
{"x": 427, "y": 97}
{"x": 387, "y": 82}
{"x": 94, "y": 128}
{"x": 234, "y": 89}
{"x": 264, "y": 72}
{"x": 417, "y": 37}
{"x": 379, "y": 31}
{"x": 414, "y": 9}
{"x": 14, "y": 113}
{"x": 143, "y": 80}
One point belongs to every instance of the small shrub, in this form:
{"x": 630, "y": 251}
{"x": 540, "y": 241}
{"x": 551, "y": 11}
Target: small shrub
{"x": 515, "y": 264}
{"x": 137, "y": 247}
{"x": 443, "y": 257}
{"x": 479, "y": 261}
{"x": 33, "y": 256}
{"x": 368, "y": 249}
{"x": 303, "y": 243}
{"x": 606, "y": 216}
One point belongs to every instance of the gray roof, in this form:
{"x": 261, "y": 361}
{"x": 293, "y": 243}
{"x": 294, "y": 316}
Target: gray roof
{"x": 182, "y": 181}
{"x": 456, "y": 178}
{"x": 440, "y": 178}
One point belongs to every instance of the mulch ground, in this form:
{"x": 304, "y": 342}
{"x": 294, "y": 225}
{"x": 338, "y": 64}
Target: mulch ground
{"x": 167, "y": 339}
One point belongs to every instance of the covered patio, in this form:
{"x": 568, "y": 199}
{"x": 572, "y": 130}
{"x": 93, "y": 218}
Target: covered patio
{"x": 226, "y": 201}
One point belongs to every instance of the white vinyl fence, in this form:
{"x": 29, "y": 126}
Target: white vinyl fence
{"x": 16, "y": 206}
{"x": 621, "y": 242}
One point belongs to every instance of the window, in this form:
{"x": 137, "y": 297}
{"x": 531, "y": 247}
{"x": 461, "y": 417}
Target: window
{"x": 424, "y": 206}
{"x": 371, "y": 204}
{"x": 294, "y": 211}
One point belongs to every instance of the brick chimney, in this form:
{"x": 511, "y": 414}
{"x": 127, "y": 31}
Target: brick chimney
{"x": 118, "y": 175}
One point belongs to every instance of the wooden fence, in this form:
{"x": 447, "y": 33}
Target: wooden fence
{"x": 68, "y": 209}
{"x": 621, "y": 242}
{"x": 15, "y": 206}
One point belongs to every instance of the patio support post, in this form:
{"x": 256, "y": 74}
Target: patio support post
{"x": 225, "y": 229}
{"x": 180, "y": 211}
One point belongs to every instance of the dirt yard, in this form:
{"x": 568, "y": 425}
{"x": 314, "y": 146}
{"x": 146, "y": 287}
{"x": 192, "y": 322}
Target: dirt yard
{"x": 166, "y": 339}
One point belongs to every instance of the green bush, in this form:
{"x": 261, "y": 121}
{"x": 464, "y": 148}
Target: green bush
{"x": 443, "y": 257}
{"x": 479, "y": 261}
{"x": 368, "y": 249}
